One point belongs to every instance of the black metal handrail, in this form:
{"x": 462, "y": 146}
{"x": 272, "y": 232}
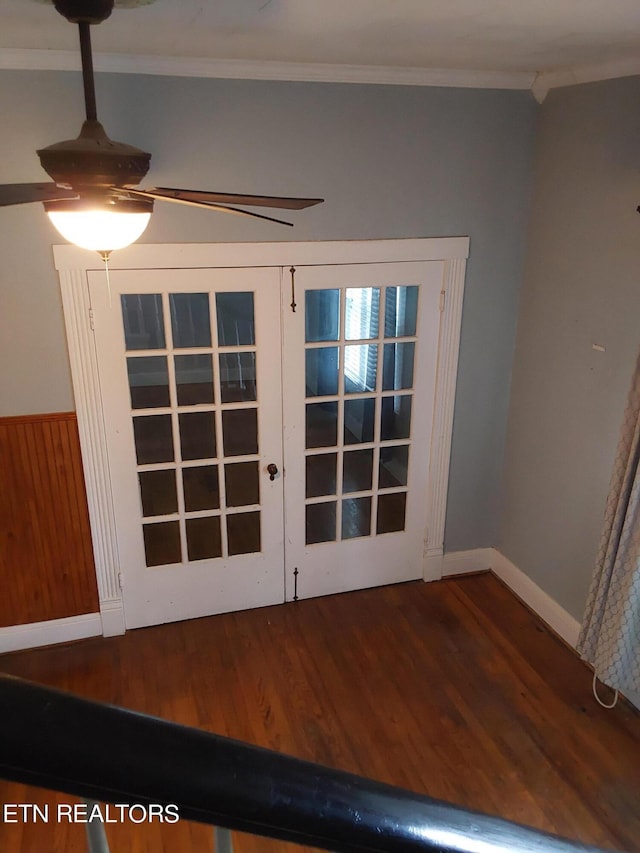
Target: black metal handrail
{"x": 55, "y": 740}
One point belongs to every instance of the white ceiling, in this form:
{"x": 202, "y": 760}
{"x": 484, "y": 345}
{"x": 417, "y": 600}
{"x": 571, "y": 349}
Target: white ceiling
{"x": 561, "y": 40}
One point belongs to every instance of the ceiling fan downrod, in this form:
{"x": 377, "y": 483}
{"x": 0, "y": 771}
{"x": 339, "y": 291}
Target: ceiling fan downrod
{"x": 86, "y": 13}
{"x": 87, "y": 72}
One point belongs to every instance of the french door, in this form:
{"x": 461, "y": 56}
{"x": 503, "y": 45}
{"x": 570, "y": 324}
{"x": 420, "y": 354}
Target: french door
{"x": 190, "y": 381}
{"x": 258, "y": 453}
{"x": 360, "y": 360}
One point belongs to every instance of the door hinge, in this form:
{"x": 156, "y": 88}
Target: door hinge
{"x": 295, "y": 583}
{"x": 91, "y": 320}
{"x": 120, "y": 580}
{"x": 442, "y": 295}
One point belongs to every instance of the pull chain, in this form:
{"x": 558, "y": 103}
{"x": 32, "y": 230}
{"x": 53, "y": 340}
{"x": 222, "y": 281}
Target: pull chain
{"x": 292, "y": 270}
{"x": 105, "y": 258}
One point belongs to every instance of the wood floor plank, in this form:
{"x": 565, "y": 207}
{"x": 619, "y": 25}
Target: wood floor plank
{"x": 451, "y": 689}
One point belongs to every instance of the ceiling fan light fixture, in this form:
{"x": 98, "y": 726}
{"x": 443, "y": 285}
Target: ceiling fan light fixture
{"x": 101, "y": 228}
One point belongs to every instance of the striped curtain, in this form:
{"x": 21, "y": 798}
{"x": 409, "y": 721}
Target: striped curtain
{"x": 610, "y": 634}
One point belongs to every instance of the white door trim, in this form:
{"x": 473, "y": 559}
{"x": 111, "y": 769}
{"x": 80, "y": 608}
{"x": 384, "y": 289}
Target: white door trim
{"x": 440, "y": 454}
{"x": 73, "y": 265}
{"x": 191, "y": 255}
{"x": 93, "y": 444}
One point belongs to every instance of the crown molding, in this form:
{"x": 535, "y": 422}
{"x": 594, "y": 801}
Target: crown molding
{"x": 547, "y": 80}
{"x": 539, "y": 83}
{"x": 62, "y": 60}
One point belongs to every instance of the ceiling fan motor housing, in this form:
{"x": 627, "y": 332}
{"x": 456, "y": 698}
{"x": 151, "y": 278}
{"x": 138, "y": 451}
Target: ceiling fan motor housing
{"x": 93, "y": 160}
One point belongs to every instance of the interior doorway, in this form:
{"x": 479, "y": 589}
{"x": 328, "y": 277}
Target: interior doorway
{"x": 263, "y": 432}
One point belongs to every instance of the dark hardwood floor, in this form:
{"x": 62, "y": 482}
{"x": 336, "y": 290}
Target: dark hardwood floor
{"x": 452, "y": 689}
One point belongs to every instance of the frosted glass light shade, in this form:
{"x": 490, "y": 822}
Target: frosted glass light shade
{"x": 100, "y": 230}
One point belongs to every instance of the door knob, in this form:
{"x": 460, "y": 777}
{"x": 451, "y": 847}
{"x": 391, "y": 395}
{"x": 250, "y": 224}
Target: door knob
{"x": 272, "y": 468}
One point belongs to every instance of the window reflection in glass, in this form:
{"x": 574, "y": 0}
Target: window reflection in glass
{"x": 360, "y": 366}
{"x": 321, "y": 426}
{"x": 238, "y": 377}
{"x": 148, "y": 381}
{"x": 190, "y": 325}
{"x": 397, "y": 366}
{"x": 394, "y": 464}
{"x": 143, "y": 321}
{"x": 401, "y": 310}
{"x": 362, "y": 306}
{"x": 321, "y": 475}
{"x": 235, "y": 319}
{"x": 357, "y": 471}
{"x": 320, "y": 523}
{"x": 395, "y": 417}
{"x": 322, "y": 315}
{"x": 359, "y": 418}
{"x": 321, "y": 371}
{"x": 356, "y": 518}
{"x": 194, "y": 379}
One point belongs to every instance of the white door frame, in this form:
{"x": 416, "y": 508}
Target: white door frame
{"x": 73, "y": 265}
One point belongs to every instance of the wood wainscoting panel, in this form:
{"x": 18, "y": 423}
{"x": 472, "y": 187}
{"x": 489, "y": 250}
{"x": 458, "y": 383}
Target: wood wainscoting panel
{"x": 46, "y": 557}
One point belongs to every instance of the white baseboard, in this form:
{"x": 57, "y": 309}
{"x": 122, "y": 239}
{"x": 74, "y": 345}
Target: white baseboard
{"x": 112, "y": 613}
{"x": 17, "y": 637}
{"x": 466, "y": 562}
{"x": 432, "y": 564}
{"x": 536, "y": 598}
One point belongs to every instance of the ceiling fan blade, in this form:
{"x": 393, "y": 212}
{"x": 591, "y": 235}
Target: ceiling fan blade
{"x": 234, "y": 198}
{"x": 25, "y": 193}
{"x": 152, "y": 194}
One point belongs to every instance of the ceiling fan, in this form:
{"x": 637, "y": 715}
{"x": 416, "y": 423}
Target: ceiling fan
{"x": 93, "y": 199}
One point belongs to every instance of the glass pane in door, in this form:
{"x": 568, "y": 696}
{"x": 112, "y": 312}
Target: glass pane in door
{"x": 190, "y": 324}
{"x": 158, "y": 492}
{"x": 322, "y": 315}
{"x": 148, "y": 382}
{"x": 321, "y": 522}
{"x": 204, "y": 540}
{"x": 143, "y": 320}
{"x": 201, "y": 488}
{"x": 194, "y": 379}
{"x": 153, "y": 437}
{"x": 236, "y": 321}
{"x": 238, "y": 377}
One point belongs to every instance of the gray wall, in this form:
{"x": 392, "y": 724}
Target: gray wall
{"x": 582, "y": 286}
{"x": 391, "y": 162}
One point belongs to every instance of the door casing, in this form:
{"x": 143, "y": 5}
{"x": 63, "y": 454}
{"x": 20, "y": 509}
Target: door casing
{"x": 73, "y": 265}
